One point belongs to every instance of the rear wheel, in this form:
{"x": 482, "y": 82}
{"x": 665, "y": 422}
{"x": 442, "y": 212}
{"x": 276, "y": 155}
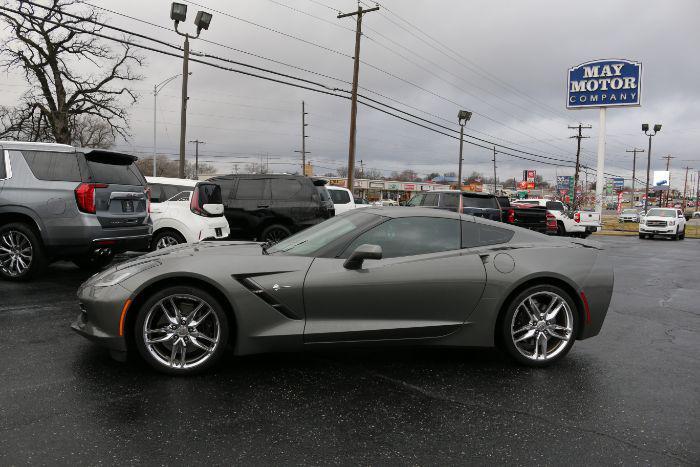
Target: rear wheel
{"x": 274, "y": 233}
{"x": 166, "y": 238}
{"x": 21, "y": 252}
{"x": 561, "y": 231}
{"x": 181, "y": 330}
{"x": 540, "y": 325}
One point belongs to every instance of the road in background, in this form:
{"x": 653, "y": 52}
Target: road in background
{"x": 629, "y": 395}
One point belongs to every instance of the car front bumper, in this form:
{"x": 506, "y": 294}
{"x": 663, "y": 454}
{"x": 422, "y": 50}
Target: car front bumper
{"x": 669, "y": 230}
{"x": 100, "y": 318}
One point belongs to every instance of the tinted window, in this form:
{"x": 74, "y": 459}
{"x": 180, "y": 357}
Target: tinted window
{"x": 160, "y": 193}
{"x": 339, "y": 196}
{"x": 503, "y": 201}
{"x": 285, "y": 188}
{"x": 182, "y": 196}
{"x": 483, "y": 202}
{"x": 450, "y": 200}
{"x": 409, "y": 236}
{"x": 431, "y": 199}
{"x": 250, "y": 188}
{"x": 115, "y": 170}
{"x": 209, "y": 194}
{"x": 555, "y": 206}
{"x": 475, "y": 234}
{"x": 323, "y": 193}
{"x": 54, "y": 166}
{"x": 416, "y": 200}
{"x": 3, "y": 172}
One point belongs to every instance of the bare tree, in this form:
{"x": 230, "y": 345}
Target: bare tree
{"x": 51, "y": 45}
{"x": 256, "y": 168}
{"x": 91, "y": 132}
{"x": 166, "y": 167}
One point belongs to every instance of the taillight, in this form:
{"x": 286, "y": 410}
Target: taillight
{"x": 551, "y": 222}
{"x": 577, "y": 217}
{"x": 85, "y": 196}
{"x": 511, "y": 216}
{"x": 194, "y": 203}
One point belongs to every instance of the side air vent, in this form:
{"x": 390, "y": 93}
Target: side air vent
{"x": 255, "y": 288}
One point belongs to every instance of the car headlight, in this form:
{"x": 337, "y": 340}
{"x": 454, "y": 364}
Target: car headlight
{"x": 123, "y": 273}
{"x": 642, "y": 221}
{"x": 671, "y": 222}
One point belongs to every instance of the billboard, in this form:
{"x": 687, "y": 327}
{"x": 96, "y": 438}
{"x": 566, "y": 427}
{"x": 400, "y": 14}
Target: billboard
{"x": 661, "y": 178}
{"x": 618, "y": 183}
{"x": 529, "y": 175}
{"x": 565, "y": 182}
{"x": 604, "y": 83}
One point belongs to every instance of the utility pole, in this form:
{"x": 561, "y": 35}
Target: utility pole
{"x": 494, "y": 170}
{"x": 353, "y": 105}
{"x": 697, "y": 189}
{"x": 196, "y": 157}
{"x": 303, "y": 139}
{"x": 668, "y": 165}
{"x": 579, "y": 136}
{"x": 183, "y": 107}
{"x": 634, "y": 151}
{"x": 685, "y": 186}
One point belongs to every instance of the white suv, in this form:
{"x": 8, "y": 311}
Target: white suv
{"x": 668, "y": 222}
{"x": 185, "y": 211}
{"x": 343, "y": 200}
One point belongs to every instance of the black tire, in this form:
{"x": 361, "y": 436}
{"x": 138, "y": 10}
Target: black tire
{"x": 26, "y": 242}
{"x": 681, "y": 236}
{"x": 642, "y": 236}
{"x": 274, "y": 233}
{"x": 166, "y": 235}
{"x": 155, "y": 355}
{"x": 562, "y": 347}
{"x": 561, "y": 231}
{"x": 94, "y": 262}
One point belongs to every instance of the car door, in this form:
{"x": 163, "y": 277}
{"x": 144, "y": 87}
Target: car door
{"x": 424, "y": 286}
{"x": 248, "y": 204}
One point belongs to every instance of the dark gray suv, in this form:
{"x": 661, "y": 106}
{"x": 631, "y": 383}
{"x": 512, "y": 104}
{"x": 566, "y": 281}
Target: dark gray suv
{"x": 58, "y": 202}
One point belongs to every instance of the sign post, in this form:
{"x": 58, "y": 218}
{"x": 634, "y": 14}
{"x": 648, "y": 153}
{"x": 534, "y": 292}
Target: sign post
{"x": 603, "y": 84}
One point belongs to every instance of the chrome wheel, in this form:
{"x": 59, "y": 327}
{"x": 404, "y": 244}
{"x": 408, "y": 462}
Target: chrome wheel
{"x": 166, "y": 241}
{"x": 542, "y": 326}
{"x": 275, "y": 235}
{"x": 181, "y": 331}
{"x": 16, "y": 253}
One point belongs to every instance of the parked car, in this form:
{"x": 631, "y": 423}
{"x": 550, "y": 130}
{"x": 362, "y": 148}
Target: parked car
{"x": 361, "y": 202}
{"x": 386, "y": 202}
{"x": 665, "y": 222}
{"x": 384, "y": 276}
{"x": 628, "y": 215}
{"x": 343, "y": 201}
{"x": 185, "y": 211}
{"x": 58, "y": 202}
{"x": 576, "y": 224}
{"x": 477, "y": 204}
{"x": 269, "y": 207}
{"x": 529, "y": 217}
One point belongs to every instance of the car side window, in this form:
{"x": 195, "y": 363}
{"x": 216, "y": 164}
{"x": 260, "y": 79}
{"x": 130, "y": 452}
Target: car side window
{"x": 339, "y": 196}
{"x": 3, "y": 170}
{"x": 284, "y": 188}
{"x": 475, "y": 234}
{"x": 416, "y": 200}
{"x": 450, "y": 200}
{"x": 251, "y": 188}
{"x": 431, "y": 199}
{"x": 182, "y": 196}
{"x": 53, "y": 166}
{"x": 408, "y": 236}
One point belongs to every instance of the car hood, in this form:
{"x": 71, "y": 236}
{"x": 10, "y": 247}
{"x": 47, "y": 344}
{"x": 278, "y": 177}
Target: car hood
{"x": 205, "y": 249}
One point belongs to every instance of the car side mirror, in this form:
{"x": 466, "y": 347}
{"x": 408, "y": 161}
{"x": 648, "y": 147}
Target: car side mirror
{"x": 213, "y": 209}
{"x": 361, "y": 253}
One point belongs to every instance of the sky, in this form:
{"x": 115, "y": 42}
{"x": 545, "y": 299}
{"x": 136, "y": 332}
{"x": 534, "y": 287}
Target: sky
{"x": 505, "y": 61}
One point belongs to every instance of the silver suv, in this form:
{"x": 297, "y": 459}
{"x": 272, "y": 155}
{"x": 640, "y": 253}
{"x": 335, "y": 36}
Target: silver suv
{"x": 59, "y": 202}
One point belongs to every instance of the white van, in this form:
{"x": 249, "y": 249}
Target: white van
{"x": 343, "y": 200}
{"x": 185, "y": 211}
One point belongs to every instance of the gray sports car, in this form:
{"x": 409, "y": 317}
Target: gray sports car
{"x": 377, "y": 276}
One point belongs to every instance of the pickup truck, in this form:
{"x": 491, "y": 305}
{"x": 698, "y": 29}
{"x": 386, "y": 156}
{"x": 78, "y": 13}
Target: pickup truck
{"x": 529, "y": 217}
{"x": 576, "y": 224}
{"x": 483, "y": 205}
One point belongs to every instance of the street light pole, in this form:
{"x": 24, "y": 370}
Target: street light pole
{"x": 634, "y": 151}
{"x": 156, "y": 89}
{"x": 178, "y": 12}
{"x": 645, "y": 129}
{"x": 463, "y": 117}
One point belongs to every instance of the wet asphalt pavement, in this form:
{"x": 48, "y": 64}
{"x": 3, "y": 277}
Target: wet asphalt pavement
{"x": 630, "y": 395}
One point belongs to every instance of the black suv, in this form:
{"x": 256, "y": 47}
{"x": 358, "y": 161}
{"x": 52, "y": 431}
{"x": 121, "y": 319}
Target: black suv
{"x": 477, "y": 204}
{"x": 269, "y": 208}
{"x": 59, "y": 202}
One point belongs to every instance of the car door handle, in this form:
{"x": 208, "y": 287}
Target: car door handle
{"x": 263, "y": 205}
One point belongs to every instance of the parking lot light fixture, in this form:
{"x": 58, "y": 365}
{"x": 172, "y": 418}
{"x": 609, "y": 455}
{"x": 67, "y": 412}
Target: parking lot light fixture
{"x": 645, "y": 129}
{"x": 463, "y": 116}
{"x": 202, "y": 21}
{"x": 178, "y": 12}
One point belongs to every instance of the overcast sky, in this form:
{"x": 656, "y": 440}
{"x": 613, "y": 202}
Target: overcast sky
{"x": 511, "y": 72}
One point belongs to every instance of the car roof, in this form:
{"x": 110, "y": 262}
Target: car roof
{"x": 464, "y": 193}
{"x": 339, "y": 188}
{"x": 172, "y": 181}
{"x": 28, "y": 146}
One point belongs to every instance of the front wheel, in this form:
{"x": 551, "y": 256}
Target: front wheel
{"x": 540, "y": 325}
{"x": 642, "y": 236}
{"x": 181, "y": 330}
{"x": 166, "y": 238}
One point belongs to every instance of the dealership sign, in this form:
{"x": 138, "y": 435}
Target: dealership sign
{"x": 604, "y": 83}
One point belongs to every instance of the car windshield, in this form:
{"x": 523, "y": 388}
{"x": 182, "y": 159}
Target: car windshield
{"x": 661, "y": 213}
{"x": 309, "y": 241}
